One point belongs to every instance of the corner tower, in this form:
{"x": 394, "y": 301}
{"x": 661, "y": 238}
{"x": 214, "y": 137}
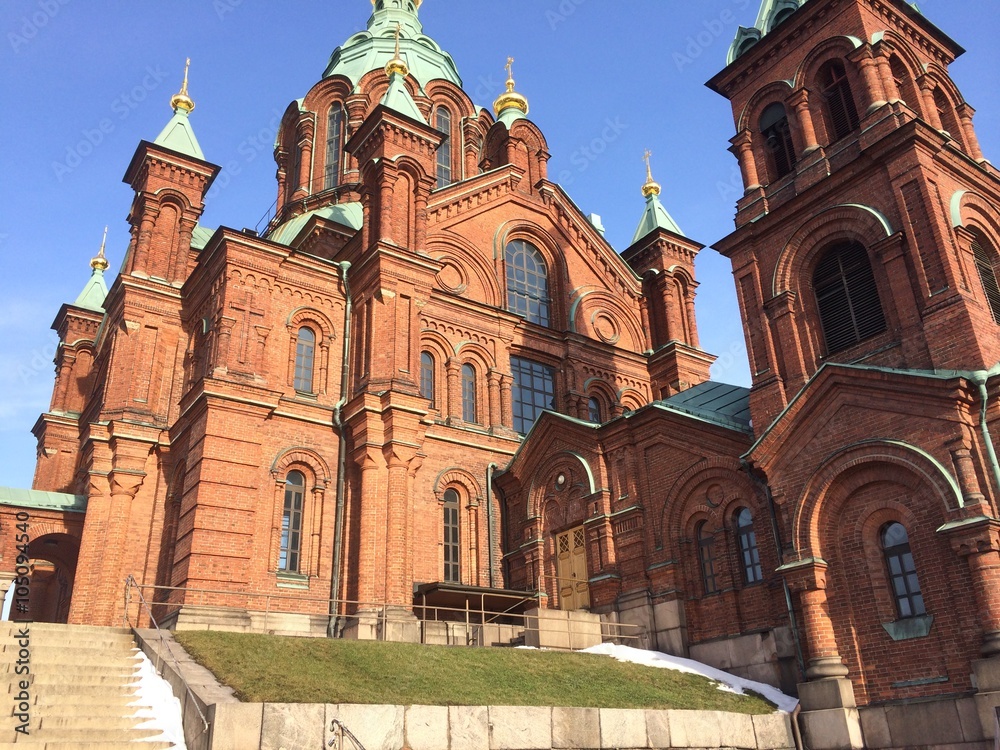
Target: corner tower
{"x": 867, "y": 232}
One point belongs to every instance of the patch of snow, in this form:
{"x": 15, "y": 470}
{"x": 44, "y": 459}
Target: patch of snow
{"x": 729, "y": 683}
{"x": 159, "y": 706}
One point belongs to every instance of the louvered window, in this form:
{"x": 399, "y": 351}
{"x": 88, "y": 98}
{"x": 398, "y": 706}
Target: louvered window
{"x": 840, "y": 107}
{"x": 847, "y": 297}
{"x": 778, "y": 140}
{"x": 985, "y": 256}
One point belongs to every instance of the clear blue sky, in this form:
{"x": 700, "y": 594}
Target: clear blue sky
{"x": 607, "y": 79}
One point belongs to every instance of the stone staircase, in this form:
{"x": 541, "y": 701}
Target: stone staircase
{"x": 82, "y": 692}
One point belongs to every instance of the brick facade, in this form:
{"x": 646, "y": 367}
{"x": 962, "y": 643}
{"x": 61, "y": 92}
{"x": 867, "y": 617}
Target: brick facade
{"x": 724, "y": 529}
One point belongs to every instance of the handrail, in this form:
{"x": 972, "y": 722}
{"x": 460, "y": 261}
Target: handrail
{"x": 337, "y": 724}
{"x": 609, "y": 629}
{"x": 129, "y": 583}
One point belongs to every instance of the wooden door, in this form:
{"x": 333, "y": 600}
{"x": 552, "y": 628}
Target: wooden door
{"x": 571, "y": 569}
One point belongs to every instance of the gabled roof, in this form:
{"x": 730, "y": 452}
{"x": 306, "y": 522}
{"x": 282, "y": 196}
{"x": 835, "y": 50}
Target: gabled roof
{"x": 397, "y": 98}
{"x": 719, "y": 403}
{"x": 94, "y": 292}
{"x": 179, "y": 136}
{"x": 349, "y": 215}
{"x": 654, "y": 217}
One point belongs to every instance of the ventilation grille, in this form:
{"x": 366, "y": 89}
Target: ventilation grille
{"x": 849, "y": 307}
{"x": 988, "y": 277}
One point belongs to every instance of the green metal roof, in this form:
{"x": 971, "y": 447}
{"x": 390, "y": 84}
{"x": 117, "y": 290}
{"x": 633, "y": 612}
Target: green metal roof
{"x": 655, "y": 217}
{"x": 347, "y": 214}
{"x": 43, "y": 500}
{"x": 397, "y": 97}
{"x": 179, "y": 136}
{"x": 372, "y": 49}
{"x": 719, "y": 403}
{"x": 94, "y": 293}
{"x": 200, "y": 237}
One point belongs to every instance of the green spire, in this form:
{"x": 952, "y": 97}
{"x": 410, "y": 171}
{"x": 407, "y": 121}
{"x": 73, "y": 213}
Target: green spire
{"x": 654, "y": 216}
{"x": 398, "y": 98}
{"x": 96, "y": 290}
{"x": 178, "y": 135}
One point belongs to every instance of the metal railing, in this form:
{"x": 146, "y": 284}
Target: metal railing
{"x": 131, "y": 583}
{"x": 270, "y": 608}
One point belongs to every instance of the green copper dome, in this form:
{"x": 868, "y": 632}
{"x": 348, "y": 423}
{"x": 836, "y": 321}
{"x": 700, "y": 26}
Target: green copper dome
{"x": 372, "y": 49}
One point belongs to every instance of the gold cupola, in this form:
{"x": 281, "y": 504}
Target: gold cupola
{"x": 510, "y": 99}
{"x": 182, "y": 100}
{"x": 652, "y": 187}
{"x": 397, "y": 64}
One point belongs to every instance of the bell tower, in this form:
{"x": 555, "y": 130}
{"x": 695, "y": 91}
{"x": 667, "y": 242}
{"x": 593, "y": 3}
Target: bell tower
{"x": 868, "y": 231}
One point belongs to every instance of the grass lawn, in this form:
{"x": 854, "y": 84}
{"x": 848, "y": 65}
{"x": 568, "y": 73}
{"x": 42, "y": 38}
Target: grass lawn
{"x": 265, "y": 669}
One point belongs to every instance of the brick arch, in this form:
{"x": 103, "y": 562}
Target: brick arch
{"x": 450, "y": 246}
{"x": 944, "y": 82}
{"x": 529, "y": 231}
{"x": 292, "y": 457}
{"x": 592, "y": 301}
{"x": 480, "y": 355}
{"x": 776, "y": 91}
{"x": 678, "y": 506}
{"x": 302, "y": 316}
{"x": 834, "y": 48}
{"x": 460, "y": 477}
{"x": 171, "y": 196}
{"x": 859, "y": 464}
{"x": 631, "y": 399}
{"x": 973, "y": 211}
{"x": 844, "y": 222}
{"x": 445, "y": 92}
{"x": 325, "y": 93}
{"x": 563, "y": 460}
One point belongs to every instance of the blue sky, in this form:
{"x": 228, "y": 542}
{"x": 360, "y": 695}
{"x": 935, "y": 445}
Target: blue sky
{"x": 606, "y": 79}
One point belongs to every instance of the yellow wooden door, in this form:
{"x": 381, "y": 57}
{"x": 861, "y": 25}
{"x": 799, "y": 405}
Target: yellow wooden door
{"x": 571, "y": 569}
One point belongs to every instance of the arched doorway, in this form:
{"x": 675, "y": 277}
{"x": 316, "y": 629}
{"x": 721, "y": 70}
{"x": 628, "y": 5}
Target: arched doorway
{"x": 53, "y": 559}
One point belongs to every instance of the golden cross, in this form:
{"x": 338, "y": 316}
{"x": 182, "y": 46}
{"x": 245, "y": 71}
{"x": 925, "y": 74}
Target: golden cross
{"x": 184, "y": 86}
{"x": 398, "y": 30}
{"x": 649, "y": 169}
{"x": 510, "y": 67}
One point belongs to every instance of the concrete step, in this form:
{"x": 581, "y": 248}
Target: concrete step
{"x": 69, "y": 641}
{"x": 29, "y": 744}
{"x": 56, "y": 627}
{"x": 81, "y": 735}
{"x": 97, "y": 667}
{"x": 101, "y": 721}
{"x": 66, "y": 683}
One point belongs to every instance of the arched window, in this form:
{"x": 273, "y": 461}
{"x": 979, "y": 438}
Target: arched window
{"x": 594, "y": 410}
{"x": 841, "y": 110}
{"x": 946, "y": 113}
{"x": 294, "y": 156}
{"x": 749, "y": 553}
{"x": 986, "y": 257}
{"x": 427, "y": 377}
{"x": 902, "y": 571}
{"x": 305, "y": 358}
{"x": 442, "y": 122}
{"x": 901, "y": 76}
{"x": 334, "y": 146}
{"x": 469, "y": 394}
{"x": 778, "y": 140}
{"x": 291, "y": 522}
{"x": 847, "y": 297}
{"x": 706, "y": 558}
{"x": 527, "y": 283}
{"x": 452, "y": 538}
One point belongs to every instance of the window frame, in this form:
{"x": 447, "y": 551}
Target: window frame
{"x": 595, "y": 408}
{"x": 844, "y": 297}
{"x": 839, "y": 104}
{"x": 444, "y": 159}
{"x": 778, "y": 143}
{"x": 428, "y": 378}
{"x": 530, "y": 368}
{"x": 305, "y": 352}
{"x": 902, "y": 552}
{"x": 451, "y": 506}
{"x": 533, "y": 288}
{"x": 985, "y": 257}
{"x": 334, "y": 147}
{"x": 707, "y": 559}
{"x": 290, "y": 545}
{"x": 749, "y": 549}
{"x": 470, "y": 397}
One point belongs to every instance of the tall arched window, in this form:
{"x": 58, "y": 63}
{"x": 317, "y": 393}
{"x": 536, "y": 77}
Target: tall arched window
{"x": 946, "y": 113}
{"x": 469, "y": 394}
{"x": 847, "y": 297}
{"x": 749, "y": 552}
{"x": 778, "y": 140}
{"x": 902, "y": 571}
{"x": 841, "y": 110}
{"x": 442, "y": 122}
{"x": 594, "y": 410}
{"x": 452, "y": 538}
{"x": 706, "y": 558}
{"x": 986, "y": 257}
{"x": 294, "y": 156}
{"x": 901, "y": 76}
{"x": 334, "y": 146}
{"x": 527, "y": 283}
{"x": 291, "y": 522}
{"x": 305, "y": 358}
{"x": 427, "y": 377}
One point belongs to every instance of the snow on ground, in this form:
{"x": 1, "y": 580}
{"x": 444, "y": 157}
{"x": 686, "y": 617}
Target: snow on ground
{"x": 728, "y": 682}
{"x": 160, "y": 707}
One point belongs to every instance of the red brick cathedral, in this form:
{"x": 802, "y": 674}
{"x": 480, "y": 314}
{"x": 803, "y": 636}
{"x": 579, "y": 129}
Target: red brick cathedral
{"x": 430, "y": 380}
